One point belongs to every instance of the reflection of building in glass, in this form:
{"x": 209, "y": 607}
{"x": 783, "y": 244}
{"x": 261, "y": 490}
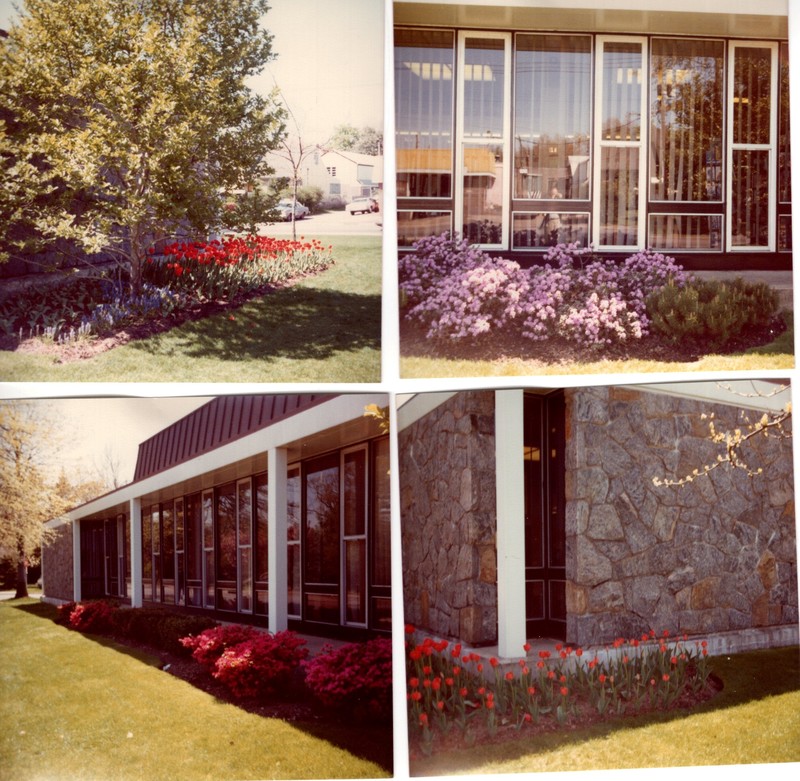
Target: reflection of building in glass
{"x": 625, "y": 130}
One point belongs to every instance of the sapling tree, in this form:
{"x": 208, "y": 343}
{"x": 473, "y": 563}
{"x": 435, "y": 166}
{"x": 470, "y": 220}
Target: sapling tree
{"x": 734, "y": 441}
{"x": 128, "y": 121}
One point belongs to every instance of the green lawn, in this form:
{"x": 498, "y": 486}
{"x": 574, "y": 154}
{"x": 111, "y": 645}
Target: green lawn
{"x": 74, "y": 707}
{"x": 778, "y": 354}
{"x": 754, "y": 719}
{"x": 326, "y": 328}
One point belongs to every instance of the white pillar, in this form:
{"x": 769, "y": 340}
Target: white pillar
{"x": 510, "y": 522}
{"x": 76, "y": 561}
{"x": 277, "y": 460}
{"x": 135, "y": 512}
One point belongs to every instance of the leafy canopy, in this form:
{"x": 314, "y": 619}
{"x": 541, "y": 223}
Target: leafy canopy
{"x": 129, "y": 120}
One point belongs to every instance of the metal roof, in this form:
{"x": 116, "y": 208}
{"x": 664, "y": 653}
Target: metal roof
{"x": 223, "y": 420}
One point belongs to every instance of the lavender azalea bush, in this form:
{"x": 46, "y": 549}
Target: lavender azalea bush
{"x": 459, "y": 292}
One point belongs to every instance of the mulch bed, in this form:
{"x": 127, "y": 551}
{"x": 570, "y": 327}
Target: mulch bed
{"x": 504, "y": 346}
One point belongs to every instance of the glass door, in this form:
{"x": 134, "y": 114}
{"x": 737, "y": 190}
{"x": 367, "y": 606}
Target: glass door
{"x": 752, "y": 128}
{"x": 482, "y": 128}
{"x": 619, "y": 182}
{"x": 545, "y": 533}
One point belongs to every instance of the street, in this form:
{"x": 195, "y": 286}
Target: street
{"x": 333, "y": 223}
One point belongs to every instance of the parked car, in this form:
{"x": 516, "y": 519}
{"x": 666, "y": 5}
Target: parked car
{"x": 284, "y": 208}
{"x": 362, "y": 206}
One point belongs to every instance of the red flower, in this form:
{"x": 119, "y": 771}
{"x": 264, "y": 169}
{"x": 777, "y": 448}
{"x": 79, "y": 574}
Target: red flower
{"x": 665, "y": 677}
{"x": 440, "y": 705}
{"x": 509, "y": 676}
{"x": 413, "y": 683}
{"x": 423, "y": 719}
{"x": 564, "y": 691}
{"x": 493, "y": 662}
{"x": 526, "y": 647}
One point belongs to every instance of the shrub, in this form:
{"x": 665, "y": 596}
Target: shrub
{"x": 594, "y": 301}
{"x": 96, "y": 617}
{"x": 472, "y": 300}
{"x": 159, "y": 627}
{"x": 260, "y": 665}
{"x": 432, "y": 259}
{"x": 710, "y": 312}
{"x": 356, "y": 678}
{"x": 208, "y": 646}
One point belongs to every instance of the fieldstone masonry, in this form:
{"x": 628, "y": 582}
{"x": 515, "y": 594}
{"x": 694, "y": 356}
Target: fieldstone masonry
{"x": 57, "y": 565}
{"x": 447, "y": 499}
{"x": 712, "y": 556}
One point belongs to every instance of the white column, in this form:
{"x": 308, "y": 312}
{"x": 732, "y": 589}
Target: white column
{"x": 76, "y": 561}
{"x": 276, "y": 537}
{"x": 510, "y": 523}
{"x": 135, "y": 512}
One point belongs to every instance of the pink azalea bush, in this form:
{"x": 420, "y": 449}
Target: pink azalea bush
{"x": 261, "y": 665}
{"x": 96, "y": 617}
{"x": 249, "y": 662}
{"x": 209, "y": 645}
{"x": 356, "y": 678}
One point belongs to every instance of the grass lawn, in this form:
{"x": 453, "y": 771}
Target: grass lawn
{"x": 327, "y": 328}
{"x": 77, "y": 707}
{"x": 754, "y": 719}
{"x": 778, "y": 354}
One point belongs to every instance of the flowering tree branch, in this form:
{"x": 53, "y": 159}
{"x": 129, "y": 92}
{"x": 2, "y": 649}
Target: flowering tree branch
{"x": 772, "y": 423}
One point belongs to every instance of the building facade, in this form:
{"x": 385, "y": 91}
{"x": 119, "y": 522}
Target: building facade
{"x": 534, "y": 514}
{"x": 272, "y": 510}
{"x": 624, "y": 125}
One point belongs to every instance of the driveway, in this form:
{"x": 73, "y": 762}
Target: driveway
{"x": 338, "y": 223}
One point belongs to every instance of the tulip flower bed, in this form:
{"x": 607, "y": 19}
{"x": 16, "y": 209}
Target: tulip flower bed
{"x": 233, "y": 266}
{"x": 456, "y": 698}
{"x": 179, "y": 279}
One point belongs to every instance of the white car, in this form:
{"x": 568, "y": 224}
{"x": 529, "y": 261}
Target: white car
{"x": 362, "y": 205}
{"x": 284, "y": 208}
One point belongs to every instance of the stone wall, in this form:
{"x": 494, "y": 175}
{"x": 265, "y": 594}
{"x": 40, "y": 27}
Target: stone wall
{"x": 57, "y": 565}
{"x": 448, "y": 510}
{"x": 716, "y": 555}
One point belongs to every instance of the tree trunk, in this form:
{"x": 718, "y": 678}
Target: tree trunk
{"x": 22, "y": 578}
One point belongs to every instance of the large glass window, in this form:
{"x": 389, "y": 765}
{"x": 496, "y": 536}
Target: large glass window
{"x": 226, "y": 547}
{"x": 321, "y": 542}
{"x": 261, "y": 545}
{"x": 552, "y": 120}
{"x": 293, "y": 542}
{"x": 355, "y": 535}
{"x": 424, "y": 113}
{"x": 244, "y": 535}
{"x": 620, "y": 166}
{"x": 381, "y": 544}
{"x": 194, "y": 550}
{"x": 686, "y": 119}
{"x": 753, "y": 130}
{"x": 208, "y": 548}
{"x": 168, "y": 553}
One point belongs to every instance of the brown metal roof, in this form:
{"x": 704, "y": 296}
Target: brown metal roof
{"x": 223, "y": 420}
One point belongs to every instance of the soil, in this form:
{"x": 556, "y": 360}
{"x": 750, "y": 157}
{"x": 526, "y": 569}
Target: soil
{"x": 478, "y": 733}
{"x": 502, "y": 346}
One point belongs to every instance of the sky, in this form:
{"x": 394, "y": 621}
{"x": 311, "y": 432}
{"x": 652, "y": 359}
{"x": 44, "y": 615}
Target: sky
{"x": 88, "y": 427}
{"x": 328, "y": 64}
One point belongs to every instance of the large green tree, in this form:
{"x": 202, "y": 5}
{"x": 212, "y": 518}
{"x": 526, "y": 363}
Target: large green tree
{"x": 126, "y": 121}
